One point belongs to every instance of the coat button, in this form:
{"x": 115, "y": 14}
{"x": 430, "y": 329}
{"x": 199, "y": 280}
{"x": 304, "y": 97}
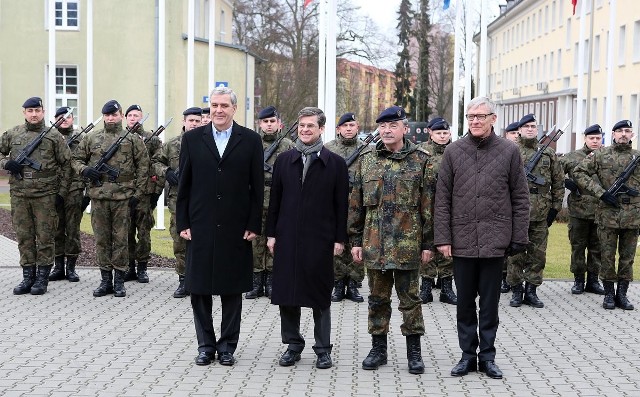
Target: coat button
{"x": 219, "y": 169}
{"x": 219, "y": 196}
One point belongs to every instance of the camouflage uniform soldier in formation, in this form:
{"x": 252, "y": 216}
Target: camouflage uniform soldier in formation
{"x": 546, "y": 202}
{"x": 391, "y": 231}
{"x": 438, "y": 266}
{"x": 347, "y": 274}
{"x": 35, "y": 194}
{"x": 166, "y": 162}
{"x": 142, "y": 217}
{"x": 617, "y": 214}
{"x": 583, "y": 231}
{"x": 510, "y": 133}
{"x": 270, "y": 125}
{"x": 113, "y": 201}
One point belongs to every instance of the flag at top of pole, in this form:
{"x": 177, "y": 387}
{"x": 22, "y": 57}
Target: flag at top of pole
{"x": 574, "y": 2}
{"x": 446, "y": 4}
{"x": 306, "y": 3}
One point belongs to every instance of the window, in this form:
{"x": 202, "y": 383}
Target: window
{"x": 67, "y": 14}
{"x": 619, "y": 107}
{"x": 540, "y": 22}
{"x": 594, "y": 110}
{"x": 559, "y": 64}
{"x": 596, "y": 53}
{"x": 633, "y": 109}
{"x": 586, "y": 58}
{"x": 621, "y": 44}
{"x": 575, "y": 59}
{"x": 636, "y": 41}
{"x": 561, "y": 5}
{"x": 568, "y": 39}
{"x": 222, "y": 26}
{"x": 553, "y": 15}
{"x": 67, "y": 87}
{"x": 551, "y": 66}
{"x": 544, "y": 68}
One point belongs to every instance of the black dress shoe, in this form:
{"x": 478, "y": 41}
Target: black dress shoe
{"x": 205, "y": 358}
{"x": 290, "y": 357}
{"x": 463, "y": 367}
{"x": 491, "y": 369}
{"x": 226, "y": 358}
{"x": 323, "y": 361}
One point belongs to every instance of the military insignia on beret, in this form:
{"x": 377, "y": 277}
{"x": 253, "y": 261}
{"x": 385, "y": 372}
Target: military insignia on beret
{"x": 628, "y": 123}
{"x": 399, "y": 113}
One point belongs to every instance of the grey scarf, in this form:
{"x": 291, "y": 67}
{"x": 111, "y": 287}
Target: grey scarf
{"x": 309, "y": 154}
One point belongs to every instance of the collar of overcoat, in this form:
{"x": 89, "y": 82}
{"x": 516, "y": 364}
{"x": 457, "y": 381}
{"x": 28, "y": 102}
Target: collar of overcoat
{"x": 324, "y": 156}
{"x": 234, "y": 139}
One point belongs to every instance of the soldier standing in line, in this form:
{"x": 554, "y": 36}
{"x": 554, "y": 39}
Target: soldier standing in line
{"x": 510, "y": 133}
{"x": 546, "y": 202}
{"x": 347, "y": 274}
{"x": 583, "y": 231}
{"x": 113, "y": 199}
{"x": 440, "y": 137}
{"x": 269, "y": 123}
{"x": 143, "y": 220}
{"x": 617, "y": 214}
{"x": 35, "y": 194}
{"x": 391, "y": 231}
{"x": 206, "y": 116}
{"x": 167, "y": 162}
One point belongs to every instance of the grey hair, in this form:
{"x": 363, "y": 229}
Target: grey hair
{"x": 225, "y": 91}
{"x": 405, "y": 122}
{"x": 482, "y": 100}
{"x": 311, "y": 111}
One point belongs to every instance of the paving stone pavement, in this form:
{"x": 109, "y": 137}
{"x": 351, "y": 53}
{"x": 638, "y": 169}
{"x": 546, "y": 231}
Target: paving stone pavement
{"x": 68, "y": 343}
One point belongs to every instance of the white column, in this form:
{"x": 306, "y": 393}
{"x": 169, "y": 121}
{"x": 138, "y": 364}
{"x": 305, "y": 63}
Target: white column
{"x": 50, "y": 101}
{"x": 467, "y": 60}
{"x": 89, "y": 82}
{"x": 212, "y": 45}
{"x": 580, "y": 121}
{"x": 482, "y": 74}
{"x": 330, "y": 80}
{"x": 322, "y": 51}
{"x": 456, "y": 71}
{"x": 610, "y": 75}
{"x": 190, "y": 51}
{"x": 162, "y": 94}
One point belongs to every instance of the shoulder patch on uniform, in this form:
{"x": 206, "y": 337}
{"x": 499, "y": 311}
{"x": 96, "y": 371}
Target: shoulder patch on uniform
{"x": 591, "y": 154}
{"x": 423, "y": 150}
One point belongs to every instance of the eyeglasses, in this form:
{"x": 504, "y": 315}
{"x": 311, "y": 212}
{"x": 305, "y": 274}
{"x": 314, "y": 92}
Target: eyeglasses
{"x": 480, "y": 117}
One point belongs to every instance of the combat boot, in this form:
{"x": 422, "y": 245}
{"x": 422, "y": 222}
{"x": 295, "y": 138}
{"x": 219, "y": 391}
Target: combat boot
{"x": 57, "y": 273}
{"x": 338, "y": 291}
{"x": 352, "y": 292}
{"x": 578, "y": 284}
{"x": 42, "y": 280}
{"x": 446, "y": 292}
{"x": 181, "y": 291}
{"x": 131, "y": 274}
{"x": 516, "y": 298}
{"x": 378, "y": 354}
{"x": 106, "y": 284}
{"x": 426, "y": 295}
{"x": 414, "y": 353}
{"x": 142, "y": 275}
{"x": 621, "y": 300}
{"x": 71, "y": 269}
{"x": 28, "y": 278}
{"x": 530, "y": 296}
{"x": 593, "y": 285}
{"x": 268, "y": 282}
{"x": 118, "y": 284}
{"x": 257, "y": 285}
{"x": 609, "y": 301}
{"x": 504, "y": 287}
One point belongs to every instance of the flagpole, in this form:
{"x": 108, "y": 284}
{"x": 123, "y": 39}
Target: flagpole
{"x": 330, "y": 80}
{"x": 580, "y": 121}
{"x": 482, "y": 74}
{"x": 610, "y": 68}
{"x": 50, "y": 101}
{"x": 162, "y": 95}
{"x": 456, "y": 72}
{"x": 467, "y": 60}
{"x": 190, "y": 51}
{"x": 322, "y": 52}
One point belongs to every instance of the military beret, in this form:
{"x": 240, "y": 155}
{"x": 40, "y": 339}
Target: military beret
{"x": 345, "y": 118}
{"x": 433, "y": 121}
{"x": 393, "y": 113}
{"x": 61, "y": 111}
{"x": 622, "y": 124}
{"x": 269, "y": 111}
{"x": 33, "y": 102}
{"x": 529, "y": 118}
{"x": 193, "y": 111}
{"x": 111, "y": 107}
{"x": 512, "y": 127}
{"x": 132, "y": 107}
{"x": 593, "y": 130}
{"x": 206, "y": 110}
{"x": 440, "y": 125}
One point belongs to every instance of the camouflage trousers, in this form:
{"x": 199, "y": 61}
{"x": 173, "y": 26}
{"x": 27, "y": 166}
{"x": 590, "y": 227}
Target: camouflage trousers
{"x": 529, "y": 266}
{"x": 583, "y": 235}
{"x": 439, "y": 266}
{"x": 625, "y": 240}
{"x": 110, "y": 222}
{"x": 179, "y": 245}
{"x": 344, "y": 266}
{"x": 407, "y": 286}
{"x": 69, "y": 217}
{"x": 35, "y": 221}
{"x": 143, "y": 221}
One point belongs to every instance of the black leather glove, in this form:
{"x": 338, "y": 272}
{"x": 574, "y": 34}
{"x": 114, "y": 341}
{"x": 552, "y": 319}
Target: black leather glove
{"x": 85, "y": 202}
{"x": 610, "y": 199}
{"x": 133, "y": 202}
{"x": 13, "y": 167}
{"x": 153, "y": 200}
{"x": 91, "y": 173}
{"x": 571, "y": 185}
{"x": 59, "y": 201}
{"x": 516, "y": 248}
{"x": 551, "y": 216}
{"x": 171, "y": 177}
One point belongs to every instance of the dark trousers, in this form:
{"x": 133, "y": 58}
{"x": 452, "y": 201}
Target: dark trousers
{"x": 290, "y": 329}
{"x": 229, "y": 328}
{"x": 478, "y": 277}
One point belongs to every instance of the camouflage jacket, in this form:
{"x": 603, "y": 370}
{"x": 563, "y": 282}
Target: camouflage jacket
{"x": 584, "y": 205}
{"x": 52, "y": 153}
{"x": 77, "y": 182}
{"x": 131, "y": 159}
{"x": 284, "y": 145}
{"x": 168, "y": 157}
{"x": 345, "y": 148}
{"x": 436, "y": 151}
{"x": 550, "y": 195}
{"x": 390, "y": 207}
{"x": 155, "y": 182}
{"x": 606, "y": 165}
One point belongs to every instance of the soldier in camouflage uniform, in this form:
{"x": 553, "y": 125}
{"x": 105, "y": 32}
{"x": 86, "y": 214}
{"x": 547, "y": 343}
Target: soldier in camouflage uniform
{"x": 270, "y": 125}
{"x": 510, "y": 133}
{"x": 113, "y": 201}
{"x": 35, "y": 194}
{"x": 391, "y": 231}
{"x": 440, "y": 137}
{"x": 166, "y": 162}
{"x": 583, "y": 231}
{"x": 546, "y": 202}
{"x": 143, "y": 219}
{"x": 347, "y": 274}
{"x": 617, "y": 216}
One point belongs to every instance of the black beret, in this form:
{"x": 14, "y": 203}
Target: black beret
{"x": 593, "y": 130}
{"x": 132, "y": 107}
{"x": 622, "y": 124}
{"x": 512, "y": 127}
{"x": 393, "y": 113}
{"x": 193, "y": 111}
{"x": 111, "y": 107}
{"x": 440, "y": 125}
{"x": 527, "y": 119}
{"x": 345, "y": 118}
{"x": 61, "y": 111}
{"x": 33, "y": 102}
{"x": 433, "y": 121}
{"x": 269, "y": 111}
{"x": 206, "y": 110}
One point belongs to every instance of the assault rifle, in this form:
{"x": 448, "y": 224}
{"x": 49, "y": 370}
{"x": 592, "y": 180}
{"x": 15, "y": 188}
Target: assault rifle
{"x": 102, "y": 166}
{"x": 354, "y": 156}
{"x": 158, "y": 131}
{"x": 23, "y": 157}
{"x": 531, "y": 164}
{"x": 83, "y": 131}
{"x": 619, "y": 185}
{"x": 268, "y": 152}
